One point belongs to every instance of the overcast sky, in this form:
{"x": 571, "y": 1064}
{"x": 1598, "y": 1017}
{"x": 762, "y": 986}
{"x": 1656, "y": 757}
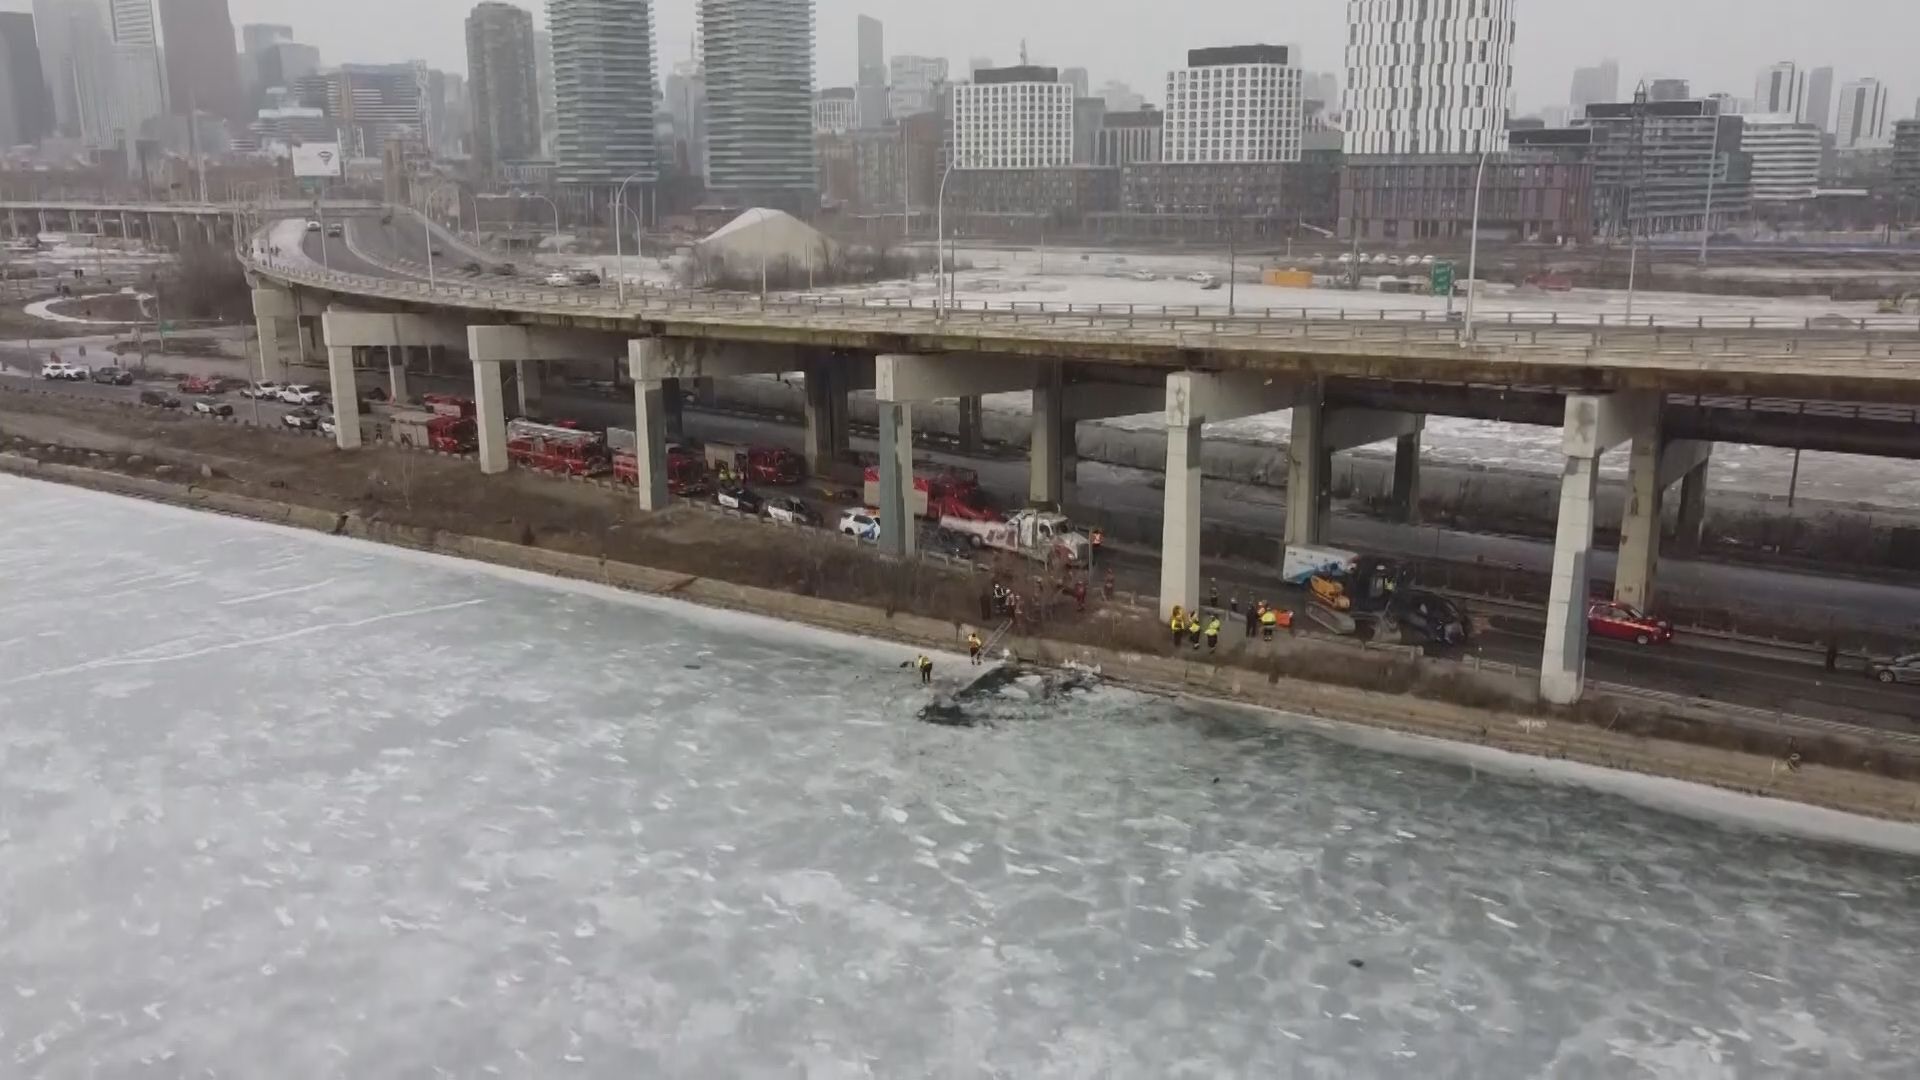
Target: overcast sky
{"x": 1719, "y": 44}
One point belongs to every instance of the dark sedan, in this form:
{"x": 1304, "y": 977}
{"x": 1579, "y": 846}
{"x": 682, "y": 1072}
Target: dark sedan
{"x": 734, "y": 497}
{"x": 112, "y": 376}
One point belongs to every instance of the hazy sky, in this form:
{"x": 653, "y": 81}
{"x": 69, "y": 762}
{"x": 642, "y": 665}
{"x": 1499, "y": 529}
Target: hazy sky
{"x": 1719, "y": 44}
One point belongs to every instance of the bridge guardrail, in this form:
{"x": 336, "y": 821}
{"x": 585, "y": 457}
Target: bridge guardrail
{"x": 1878, "y": 342}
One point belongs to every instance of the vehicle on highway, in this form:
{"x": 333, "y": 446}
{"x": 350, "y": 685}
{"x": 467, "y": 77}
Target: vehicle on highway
{"x": 434, "y": 251}
{"x": 63, "y": 371}
{"x": 1903, "y": 669}
{"x": 1040, "y": 535}
{"x": 336, "y": 229}
{"x": 471, "y": 267}
{"x": 1606, "y": 619}
{"x": 159, "y": 399}
{"x": 582, "y": 275}
{"x": 1145, "y": 275}
{"x": 312, "y": 225}
{"x": 269, "y": 391}
{"x": 1200, "y": 277}
{"x": 735, "y": 497}
{"x": 300, "y": 394}
{"x": 199, "y": 385}
{"x": 329, "y": 425}
{"x": 791, "y": 511}
{"x": 1212, "y": 286}
{"x": 862, "y": 523}
{"x": 559, "y": 279}
{"x": 302, "y": 420}
{"x": 112, "y": 376}
{"x": 210, "y": 407}
{"x": 506, "y": 269}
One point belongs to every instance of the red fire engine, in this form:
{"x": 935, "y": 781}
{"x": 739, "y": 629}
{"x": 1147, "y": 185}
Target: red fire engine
{"x": 757, "y": 464}
{"x": 550, "y": 448}
{"x": 686, "y": 474}
{"x": 941, "y": 492}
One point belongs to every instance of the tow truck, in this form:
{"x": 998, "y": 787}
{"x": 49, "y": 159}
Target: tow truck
{"x": 940, "y": 493}
{"x": 1040, "y": 535}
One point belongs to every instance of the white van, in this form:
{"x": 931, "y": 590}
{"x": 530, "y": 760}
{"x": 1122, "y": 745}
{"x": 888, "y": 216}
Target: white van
{"x": 1301, "y": 562}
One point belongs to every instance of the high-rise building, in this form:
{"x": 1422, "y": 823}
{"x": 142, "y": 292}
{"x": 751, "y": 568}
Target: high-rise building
{"x": 1906, "y": 167}
{"x": 203, "y": 70}
{"x": 1820, "y": 98}
{"x": 1120, "y": 97}
{"x": 1781, "y": 89}
{"x": 1783, "y": 155}
{"x": 1666, "y": 166}
{"x": 1863, "y": 115}
{"x": 76, "y": 57}
{"x": 132, "y": 22}
{"x": 1660, "y": 90}
{"x": 543, "y": 79}
{"x": 1240, "y": 103}
{"x": 373, "y": 104}
{"x": 603, "y": 90}
{"x": 1075, "y": 77}
{"x": 835, "y": 110}
{"x": 259, "y": 37}
{"x": 139, "y": 88}
{"x": 1598, "y": 83}
{"x": 1129, "y": 138}
{"x": 870, "y": 88}
{"x": 26, "y": 111}
{"x": 503, "y": 83}
{"x": 686, "y": 101}
{"x": 759, "y": 64}
{"x": 1013, "y": 118}
{"x": 1428, "y": 78}
{"x": 917, "y": 81}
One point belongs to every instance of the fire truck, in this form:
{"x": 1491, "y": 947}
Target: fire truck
{"x": 940, "y": 492}
{"x": 686, "y": 472}
{"x": 552, "y": 448}
{"x": 757, "y": 464}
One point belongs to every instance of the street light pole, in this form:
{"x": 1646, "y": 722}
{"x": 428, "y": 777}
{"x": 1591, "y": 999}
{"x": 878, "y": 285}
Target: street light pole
{"x": 939, "y": 244}
{"x": 1473, "y": 245}
{"x": 619, "y": 256}
{"x": 1713, "y": 173}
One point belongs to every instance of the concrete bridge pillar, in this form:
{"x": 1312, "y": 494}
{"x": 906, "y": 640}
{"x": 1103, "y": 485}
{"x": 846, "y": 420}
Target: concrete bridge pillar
{"x": 1193, "y": 400}
{"x": 527, "y": 376}
{"x": 1320, "y": 432}
{"x": 1693, "y": 505}
{"x": 902, "y": 380}
{"x": 274, "y": 313}
{"x": 346, "y": 396}
{"x": 820, "y": 408}
{"x": 126, "y": 226}
{"x": 673, "y": 405}
{"x": 1406, "y": 476}
{"x": 43, "y": 222}
{"x": 664, "y": 365}
{"x": 650, "y": 451}
{"x": 1656, "y": 465}
{"x": 347, "y": 330}
{"x": 972, "y": 415}
{"x": 397, "y": 374}
{"x": 490, "y": 415}
{"x": 1594, "y": 424}
{"x": 1047, "y": 481}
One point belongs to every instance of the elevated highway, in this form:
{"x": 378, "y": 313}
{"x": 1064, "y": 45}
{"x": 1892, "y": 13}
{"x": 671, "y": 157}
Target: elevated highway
{"x": 1661, "y": 392}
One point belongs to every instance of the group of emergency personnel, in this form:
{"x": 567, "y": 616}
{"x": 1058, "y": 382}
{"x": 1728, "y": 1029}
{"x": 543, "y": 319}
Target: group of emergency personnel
{"x": 1187, "y": 626}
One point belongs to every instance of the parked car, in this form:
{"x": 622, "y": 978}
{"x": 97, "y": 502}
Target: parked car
{"x": 62, "y": 371}
{"x": 112, "y": 376}
{"x": 199, "y": 385}
{"x": 1144, "y": 275}
{"x": 300, "y": 394}
{"x": 336, "y": 229}
{"x": 302, "y": 420}
{"x": 786, "y": 508}
{"x": 581, "y": 275}
{"x": 862, "y": 524}
{"x": 210, "y": 407}
{"x": 1199, "y": 277}
{"x": 312, "y": 225}
{"x": 266, "y": 391}
{"x": 159, "y": 399}
{"x": 1621, "y": 623}
{"x": 739, "y": 498}
{"x": 559, "y": 279}
{"x": 1904, "y": 669}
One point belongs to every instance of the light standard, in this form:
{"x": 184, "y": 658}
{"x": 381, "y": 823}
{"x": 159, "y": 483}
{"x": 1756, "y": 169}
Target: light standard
{"x": 939, "y": 243}
{"x": 517, "y": 195}
{"x": 1713, "y": 173}
{"x": 620, "y": 258}
{"x": 1473, "y": 245}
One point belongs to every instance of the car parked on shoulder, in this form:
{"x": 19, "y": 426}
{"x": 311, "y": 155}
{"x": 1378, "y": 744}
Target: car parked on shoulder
{"x": 791, "y": 511}
{"x": 861, "y": 524}
{"x": 112, "y": 376}
{"x": 61, "y": 371}
{"x": 735, "y": 497}
{"x": 265, "y": 391}
{"x": 336, "y": 229}
{"x": 584, "y": 276}
{"x": 199, "y": 385}
{"x": 1606, "y": 619}
{"x": 559, "y": 279}
{"x": 302, "y": 420}
{"x": 159, "y": 399}
{"x": 300, "y": 394}
{"x": 312, "y": 225}
{"x": 1145, "y": 275}
{"x": 210, "y": 407}
{"x": 1901, "y": 669}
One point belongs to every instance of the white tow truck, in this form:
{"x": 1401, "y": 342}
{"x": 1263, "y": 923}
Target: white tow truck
{"x": 1040, "y": 535}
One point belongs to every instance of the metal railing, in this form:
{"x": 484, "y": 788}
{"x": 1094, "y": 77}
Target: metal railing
{"x": 1756, "y": 340}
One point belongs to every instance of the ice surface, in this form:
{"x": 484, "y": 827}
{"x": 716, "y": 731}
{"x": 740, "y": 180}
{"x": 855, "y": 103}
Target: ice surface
{"x": 273, "y": 804}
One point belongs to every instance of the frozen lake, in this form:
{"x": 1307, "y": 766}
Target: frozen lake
{"x": 273, "y": 804}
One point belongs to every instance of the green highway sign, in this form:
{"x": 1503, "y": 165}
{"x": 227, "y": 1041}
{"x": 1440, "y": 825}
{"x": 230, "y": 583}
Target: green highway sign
{"x": 1441, "y": 279}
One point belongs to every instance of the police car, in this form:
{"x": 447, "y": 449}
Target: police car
{"x": 791, "y": 511}
{"x": 861, "y": 523}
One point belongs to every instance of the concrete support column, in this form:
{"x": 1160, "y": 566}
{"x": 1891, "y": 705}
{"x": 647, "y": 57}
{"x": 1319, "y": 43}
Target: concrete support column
{"x": 839, "y": 385}
{"x": 1045, "y": 481}
{"x": 527, "y": 376}
{"x": 273, "y": 313}
{"x": 397, "y": 373}
{"x": 898, "y": 529}
{"x": 819, "y": 410}
{"x": 972, "y": 413}
{"x": 490, "y": 415}
{"x": 673, "y": 398}
{"x": 346, "y": 397}
{"x": 1693, "y": 509}
{"x": 1563, "y": 663}
{"x": 1639, "y": 558}
{"x": 126, "y": 227}
{"x": 1180, "y": 525}
{"x": 1406, "y": 478}
{"x": 650, "y": 450}
{"x": 1309, "y": 465}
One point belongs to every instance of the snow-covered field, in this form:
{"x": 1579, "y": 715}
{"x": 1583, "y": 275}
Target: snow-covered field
{"x": 274, "y": 804}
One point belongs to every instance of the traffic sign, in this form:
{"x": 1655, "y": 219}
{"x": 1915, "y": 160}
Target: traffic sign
{"x": 1441, "y": 279}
